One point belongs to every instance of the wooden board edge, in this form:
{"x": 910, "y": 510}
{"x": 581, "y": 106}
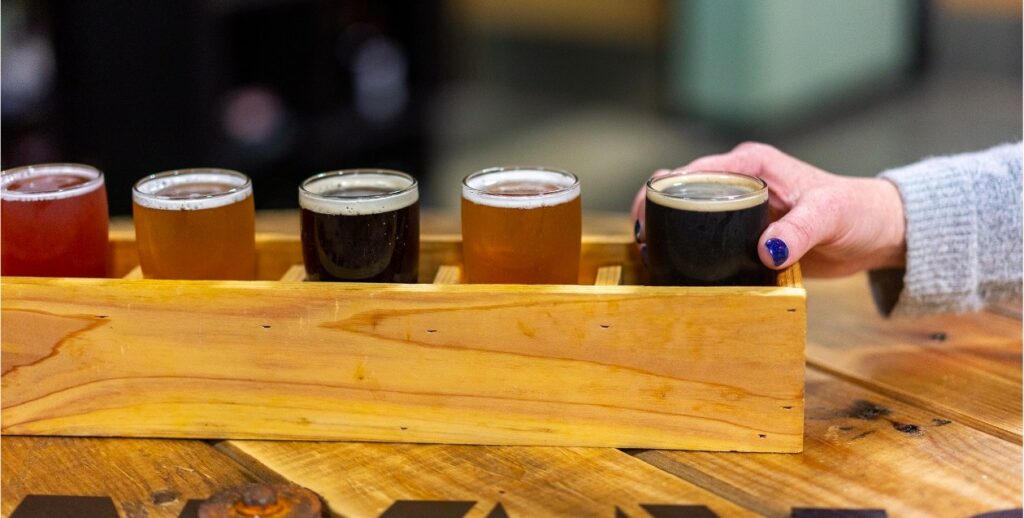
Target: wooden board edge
{"x": 797, "y": 294}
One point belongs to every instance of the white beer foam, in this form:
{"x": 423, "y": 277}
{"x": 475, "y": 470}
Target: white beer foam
{"x": 20, "y": 173}
{"x": 758, "y": 193}
{"x": 474, "y": 189}
{"x": 145, "y": 190}
{"x": 400, "y": 195}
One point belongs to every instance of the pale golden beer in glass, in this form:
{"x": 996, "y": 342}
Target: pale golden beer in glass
{"x": 195, "y": 224}
{"x": 521, "y": 225}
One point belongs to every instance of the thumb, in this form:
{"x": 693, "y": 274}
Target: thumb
{"x": 809, "y": 223}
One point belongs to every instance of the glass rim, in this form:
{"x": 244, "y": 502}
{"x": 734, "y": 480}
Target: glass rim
{"x": 245, "y": 185}
{"x": 761, "y": 190}
{"x": 10, "y": 175}
{"x": 519, "y": 168}
{"x": 304, "y": 191}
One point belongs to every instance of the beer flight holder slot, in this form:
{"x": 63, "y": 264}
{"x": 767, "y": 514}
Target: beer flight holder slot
{"x": 608, "y": 362}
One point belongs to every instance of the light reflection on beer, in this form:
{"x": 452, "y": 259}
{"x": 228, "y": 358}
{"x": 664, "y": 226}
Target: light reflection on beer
{"x": 195, "y": 224}
{"x": 521, "y": 225}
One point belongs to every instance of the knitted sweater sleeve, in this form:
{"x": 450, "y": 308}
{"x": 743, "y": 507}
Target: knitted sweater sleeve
{"x": 963, "y": 215}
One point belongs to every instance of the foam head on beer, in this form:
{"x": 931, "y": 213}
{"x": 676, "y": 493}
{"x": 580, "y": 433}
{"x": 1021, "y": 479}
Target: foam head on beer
{"x": 358, "y": 193}
{"x": 708, "y": 192}
{"x": 521, "y": 225}
{"x": 360, "y": 225}
{"x": 196, "y": 189}
{"x": 521, "y": 188}
{"x": 703, "y": 227}
{"x": 49, "y": 182}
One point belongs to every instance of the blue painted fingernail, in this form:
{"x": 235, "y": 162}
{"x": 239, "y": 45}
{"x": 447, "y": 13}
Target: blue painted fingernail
{"x": 636, "y": 231}
{"x": 778, "y": 250}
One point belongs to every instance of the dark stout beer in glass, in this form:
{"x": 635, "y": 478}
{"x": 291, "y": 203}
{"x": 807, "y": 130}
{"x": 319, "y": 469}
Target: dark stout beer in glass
{"x": 703, "y": 229}
{"x": 360, "y": 225}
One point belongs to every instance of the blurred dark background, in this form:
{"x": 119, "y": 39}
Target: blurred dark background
{"x": 609, "y": 89}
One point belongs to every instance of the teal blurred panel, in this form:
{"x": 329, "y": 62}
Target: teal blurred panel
{"x": 769, "y": 62}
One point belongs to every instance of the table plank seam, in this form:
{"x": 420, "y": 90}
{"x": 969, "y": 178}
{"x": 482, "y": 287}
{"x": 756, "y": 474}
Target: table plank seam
{"x": 709, "y": 483}
{"x": 1004, "y": 312}
{"x": 259, "y": 470}
{"x": 903, "y": 397}
{"x": 254, "y": 464}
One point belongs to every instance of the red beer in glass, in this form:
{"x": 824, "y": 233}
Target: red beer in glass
{"x": 54, "y": 221}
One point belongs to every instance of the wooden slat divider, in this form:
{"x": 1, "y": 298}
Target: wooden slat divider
{"x": 609, "y": 276}
{"x": 448, "y": 274}
{"x": 295, "y": 273}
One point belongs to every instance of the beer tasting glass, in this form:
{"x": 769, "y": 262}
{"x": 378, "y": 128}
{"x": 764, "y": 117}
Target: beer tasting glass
{"x": 521, "y": 225}
{"x": 360, "y": 225}
{"x": 703, "y": 228}
{"x": 54, "y": 221}
{"x": 195, "y": 224}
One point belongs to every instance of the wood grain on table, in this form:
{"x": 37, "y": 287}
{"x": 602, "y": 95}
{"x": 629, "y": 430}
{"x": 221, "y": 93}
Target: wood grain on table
{"x": 966, "y": 367}
{"x": 865, "y": 450}
{"x": 364, "y": 479}
{"x": 144, "y": 477}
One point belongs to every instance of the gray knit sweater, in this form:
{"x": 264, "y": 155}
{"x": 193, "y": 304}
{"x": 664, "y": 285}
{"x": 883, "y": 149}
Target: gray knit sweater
{"x": 963, "y": 234}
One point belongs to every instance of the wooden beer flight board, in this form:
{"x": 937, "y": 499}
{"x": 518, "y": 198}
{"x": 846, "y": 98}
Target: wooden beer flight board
{"x": 588, "y": 365}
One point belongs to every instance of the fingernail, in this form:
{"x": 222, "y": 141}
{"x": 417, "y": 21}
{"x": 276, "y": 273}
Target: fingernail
{"x": 636, "y": 231}
{"x": 778, "y": 250}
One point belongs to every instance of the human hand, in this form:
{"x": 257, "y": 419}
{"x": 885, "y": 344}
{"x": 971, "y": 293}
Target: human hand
{"x": 834, "y": 225}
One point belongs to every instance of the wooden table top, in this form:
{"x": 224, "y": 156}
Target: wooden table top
{"x": 910, "y": 417}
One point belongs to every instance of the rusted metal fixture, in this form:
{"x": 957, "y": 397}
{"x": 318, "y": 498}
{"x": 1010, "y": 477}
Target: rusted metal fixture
{"x": 263, "y": 501}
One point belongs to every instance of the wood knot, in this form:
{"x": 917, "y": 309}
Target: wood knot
{"x": 866, "y": 410}
{"x": 909, "y": 429}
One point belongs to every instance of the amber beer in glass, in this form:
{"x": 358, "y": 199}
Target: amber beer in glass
{"x": 360, "y": 225}
{"x": 195, "y": 224}
{"x": 703, "y": 229}
{"x": 521, "y": 225}
{"x": 54, "y": 221}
